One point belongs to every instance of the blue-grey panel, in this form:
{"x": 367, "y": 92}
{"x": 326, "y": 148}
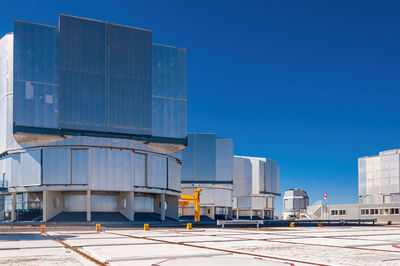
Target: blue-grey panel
{"x": 130, "y": 79}
{"x": 169, "y": 117}
{"x": 35, "y": 104}
{"x": 79, "y": 166}
{"x": 35, "y": 75}
{"x": 199, "y": 158}
{"x": 169, "y": 91}
{"x": 169, "y": 71}
{"x": 35, "y": 52}
{"x": 56, "y": 166}
{"x": 83, "y": 79}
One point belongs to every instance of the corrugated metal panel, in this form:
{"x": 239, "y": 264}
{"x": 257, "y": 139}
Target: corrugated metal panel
{"x": 110, "y": 169}
{"x": 242, "y": 183}
{"x": 139, "y": 161}
{"x": 80, "y": 166}
{"x": 262, "y": 175}
{"x": 104, "y": 202}
{"x": 224, "y": 159}
{"x": 157, "y": 171}
{"x": 199, "y": 158}
{"x": 35, "y": 75}
{"x": 25, "y": 168}
{"x": 130, "y": 80}
{"x": 174, "y": 175}
{"x": 83, "y": 79}
{"x": 56, "y": 166}
{"x": 143, "y": 203}
{"x": 74, "y": 202}
{"x": 169, "y": 91}
{"x": 30, "y": 172}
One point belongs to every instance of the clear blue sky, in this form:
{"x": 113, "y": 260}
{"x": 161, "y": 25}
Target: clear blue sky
{"x": 310, "y": 84}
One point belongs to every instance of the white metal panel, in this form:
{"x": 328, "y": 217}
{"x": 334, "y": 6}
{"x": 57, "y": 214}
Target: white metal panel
{"x": 111, "y": 169}
{"x": 242, "y": 184}
{"x": 30, "y": 173}
{"x": 104, "y": 202}
{"x": 75, "y": 202}
{"x": 144, "y": 203}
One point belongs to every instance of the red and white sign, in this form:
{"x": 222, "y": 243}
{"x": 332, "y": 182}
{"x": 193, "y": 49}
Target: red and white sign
{"x": 325, "y": 194}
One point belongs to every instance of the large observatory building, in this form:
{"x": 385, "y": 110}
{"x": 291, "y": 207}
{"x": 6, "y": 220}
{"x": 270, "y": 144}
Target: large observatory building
{"x": 92, "y": 115}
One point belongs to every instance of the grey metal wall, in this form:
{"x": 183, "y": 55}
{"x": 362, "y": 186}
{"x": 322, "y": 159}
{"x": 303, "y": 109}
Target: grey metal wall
{"x": 93, "y": 162}
{"x": 199, "y": 158}
{"x": 35, "y": 75}
{"x": 224, "y": 159}
{"x": 90, "y": 75}
{"x": 105, "y": 76}
{"x": 169, "y": 93}
{"x": 242, "y": 181}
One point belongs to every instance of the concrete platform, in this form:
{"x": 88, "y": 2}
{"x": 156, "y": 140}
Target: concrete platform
{"x": 344, "y": 245}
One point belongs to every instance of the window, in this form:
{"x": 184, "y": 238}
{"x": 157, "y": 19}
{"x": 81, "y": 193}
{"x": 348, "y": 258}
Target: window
{"x": 376, "y": 211}
{"x": 332, "y": 212}
{"x": 386, "y": 211}
{"x": 371, "y": 212}
{"x": 366, "y": 211}
{"x": 362, "y": 211}
{"x": 344, "y": 212}
{"x": 396, "y": 211}
{"x": 381, "y": 211}
{"x": 340, "y": 212}
{"x": 391, "y": 211}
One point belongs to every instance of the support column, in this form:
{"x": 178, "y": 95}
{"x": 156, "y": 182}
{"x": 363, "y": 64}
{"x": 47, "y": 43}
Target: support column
{"x": 251, "y": 214}
{"x": 237, "y": 213}
{"x": 44, "y": 206}
{"x": 162, "y": 211}
{"x": 132, "y": 205}
{"x": 226, "y": 213}
{"x": 13, "y": 206}
{"x": 89, "y": 206}
{"x": 213, "y": 208}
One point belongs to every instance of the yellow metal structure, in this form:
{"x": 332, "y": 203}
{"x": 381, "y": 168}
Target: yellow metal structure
{"x": 146, "y": 227}
{"x": 184, "y": 200}
{"x": 189, "y": 226}
{"x": 98, "y": 226}
{"x": 42, "y": 228}
{"x": 292, "y": 224}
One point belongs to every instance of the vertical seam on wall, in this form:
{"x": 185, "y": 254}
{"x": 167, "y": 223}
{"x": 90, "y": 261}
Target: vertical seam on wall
{"x": 108, "y": 73}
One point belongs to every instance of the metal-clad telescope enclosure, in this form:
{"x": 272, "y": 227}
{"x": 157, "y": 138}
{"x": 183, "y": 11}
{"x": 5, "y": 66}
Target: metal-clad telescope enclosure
{"x": 92, "y": 117}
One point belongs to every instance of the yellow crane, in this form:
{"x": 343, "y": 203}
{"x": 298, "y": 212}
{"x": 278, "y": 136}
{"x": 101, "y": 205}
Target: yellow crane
{"x": 184, "y": 200}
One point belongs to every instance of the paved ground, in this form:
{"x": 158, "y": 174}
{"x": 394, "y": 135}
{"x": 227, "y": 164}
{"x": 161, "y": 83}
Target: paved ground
{"x": 281, "y": 246}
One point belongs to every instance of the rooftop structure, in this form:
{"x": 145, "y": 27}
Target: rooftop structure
{"x": 255, "y": 185}
{"x": 294, "y": 201}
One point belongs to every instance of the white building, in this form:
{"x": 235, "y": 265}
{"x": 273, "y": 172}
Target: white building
{"x": 295, "y": 201}
{"x": 255, "y": 185}
{"x": 379, "y": 178}
{"x": 378, "y": 191}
